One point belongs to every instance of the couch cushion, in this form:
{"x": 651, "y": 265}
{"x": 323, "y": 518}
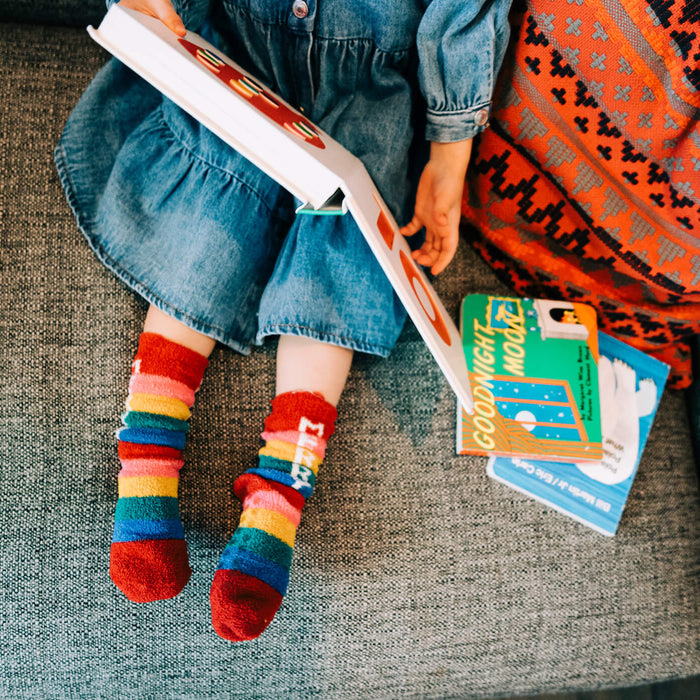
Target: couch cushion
{"x": 74, "y": 13}
{"x": 414, "y": 575}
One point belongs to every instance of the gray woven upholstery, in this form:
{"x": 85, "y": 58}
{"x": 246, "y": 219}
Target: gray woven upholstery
{"x": 75, "y": 13}
{"x": 414, "y": 574}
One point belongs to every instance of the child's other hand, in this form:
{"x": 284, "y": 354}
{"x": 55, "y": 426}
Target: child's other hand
{"x": 160, "y": 9}
{"x": 438, "y": 204}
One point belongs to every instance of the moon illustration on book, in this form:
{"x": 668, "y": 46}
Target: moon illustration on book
{"x": 258, "y": 96}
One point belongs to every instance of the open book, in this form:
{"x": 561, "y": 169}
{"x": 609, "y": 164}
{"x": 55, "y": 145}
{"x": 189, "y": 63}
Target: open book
{"x": 283, "y": 143}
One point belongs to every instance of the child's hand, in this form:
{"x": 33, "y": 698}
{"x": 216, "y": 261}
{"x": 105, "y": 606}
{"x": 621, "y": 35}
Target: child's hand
{"x": 438, "y": 204}
{"x": 160, "y": 9}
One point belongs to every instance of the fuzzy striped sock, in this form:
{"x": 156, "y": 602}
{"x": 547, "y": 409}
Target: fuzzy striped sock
{"x": 148, "y": 558}
{"x": 253, "y": 573}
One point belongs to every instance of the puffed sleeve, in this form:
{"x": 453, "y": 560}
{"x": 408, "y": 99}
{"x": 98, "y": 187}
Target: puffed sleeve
{"x": 193, "y": 13}
{"x": 461, "y": 44}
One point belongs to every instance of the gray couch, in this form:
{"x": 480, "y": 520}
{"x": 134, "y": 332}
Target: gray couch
{"x": 414, "y": 574}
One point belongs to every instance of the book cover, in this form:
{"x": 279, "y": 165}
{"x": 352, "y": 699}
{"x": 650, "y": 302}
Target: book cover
{"x": 534, "y": 376}
{"x": 595, "y": 493}
{"x": 281, "y": 141}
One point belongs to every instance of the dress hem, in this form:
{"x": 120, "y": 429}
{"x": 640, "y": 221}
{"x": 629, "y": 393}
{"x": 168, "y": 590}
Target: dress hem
{"x": 324, "y": 337}
{"x": 135, "y": 285}
{"x": 214, "y": 332}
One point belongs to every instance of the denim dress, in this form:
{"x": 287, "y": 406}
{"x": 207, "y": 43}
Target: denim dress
{"x": 211, "y": 240}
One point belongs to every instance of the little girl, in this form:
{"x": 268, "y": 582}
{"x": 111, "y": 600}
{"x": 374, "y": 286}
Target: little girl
{"x": 213, "y": 244}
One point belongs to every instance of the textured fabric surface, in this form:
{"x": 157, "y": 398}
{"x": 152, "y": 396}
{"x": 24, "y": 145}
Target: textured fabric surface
{"x": 75, "y": 13}
{"x": 414, "y": 574}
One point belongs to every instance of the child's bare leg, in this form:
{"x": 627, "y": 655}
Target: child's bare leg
{"x": 149, "y": 555}
{"x": 304, "y": 364}
{"x": 254, "y": 569}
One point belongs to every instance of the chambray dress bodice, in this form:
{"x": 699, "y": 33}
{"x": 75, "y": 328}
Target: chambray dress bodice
{"x": 208, "y": 238}
{"x": 460, "y": 43}
{"x": 357, "y": 67}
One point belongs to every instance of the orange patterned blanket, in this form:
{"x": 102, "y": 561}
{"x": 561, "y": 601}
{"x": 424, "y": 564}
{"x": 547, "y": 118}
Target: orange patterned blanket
{"x": 587, "y": 185}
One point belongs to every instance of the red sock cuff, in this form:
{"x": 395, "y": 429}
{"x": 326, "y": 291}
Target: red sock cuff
{"x": 289, "y": 408}
{"x": 165, "y": 358}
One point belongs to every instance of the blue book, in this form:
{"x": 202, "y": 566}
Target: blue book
{"x": 595, "y": 493}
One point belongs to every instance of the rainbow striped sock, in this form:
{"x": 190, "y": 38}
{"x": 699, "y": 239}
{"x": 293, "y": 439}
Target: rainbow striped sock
{"x": 253, "y": 572}
{"x": 148, "y": 558}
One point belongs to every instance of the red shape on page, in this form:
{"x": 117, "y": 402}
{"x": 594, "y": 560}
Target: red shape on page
{"x": 263, "y": 101}
{"x": 384, "y": 226}
{"x": 409, "y": 267}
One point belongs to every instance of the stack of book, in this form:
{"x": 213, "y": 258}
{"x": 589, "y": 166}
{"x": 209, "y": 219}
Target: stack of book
{"x": 562, "y": 410}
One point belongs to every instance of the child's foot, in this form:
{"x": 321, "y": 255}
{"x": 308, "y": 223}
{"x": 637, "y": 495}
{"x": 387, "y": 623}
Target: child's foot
{"x": 253, "y": 572}
{"x": 149, "y": 556}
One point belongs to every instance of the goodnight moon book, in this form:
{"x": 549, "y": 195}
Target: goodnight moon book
{"x": 533, "y": 369}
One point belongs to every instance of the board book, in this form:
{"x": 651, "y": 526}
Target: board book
{"x": 595, "y": 493}
{"x": 534, "y": 377}
{"x": 281, "y": 141}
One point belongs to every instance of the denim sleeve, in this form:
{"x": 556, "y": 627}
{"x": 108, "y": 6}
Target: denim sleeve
{"x": 192, "y": 12}
{"x": 461, "y": 44}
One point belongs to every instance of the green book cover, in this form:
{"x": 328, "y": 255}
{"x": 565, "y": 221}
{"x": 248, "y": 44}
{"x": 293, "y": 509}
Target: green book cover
{"x": 533, "y": 369}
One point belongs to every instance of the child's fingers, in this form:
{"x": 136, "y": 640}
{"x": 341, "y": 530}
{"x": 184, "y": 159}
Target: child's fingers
{"x": 167, "y": 15}
{"x": 412, "y": 227}
{"x": 428, "y": 253}
{"x": 160, "y": 9}
{"x": 440, "y": 245}
{"x": 443, "y": 259}
{"x": 425, "y": 260}
{"x": 449, "y": 240}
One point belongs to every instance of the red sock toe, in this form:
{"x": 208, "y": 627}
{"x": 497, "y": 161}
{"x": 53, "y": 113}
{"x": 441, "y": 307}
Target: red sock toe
{"x": 149, "y": 570}
{"x": 241, "y": 606}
